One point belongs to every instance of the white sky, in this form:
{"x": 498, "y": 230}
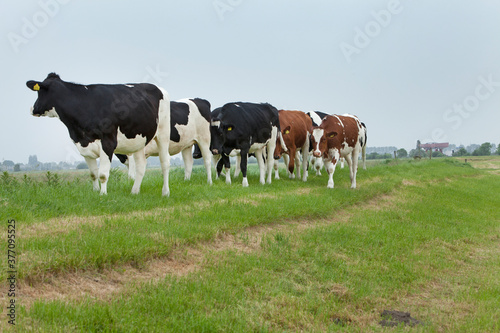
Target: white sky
{"x": 410, "y": 70}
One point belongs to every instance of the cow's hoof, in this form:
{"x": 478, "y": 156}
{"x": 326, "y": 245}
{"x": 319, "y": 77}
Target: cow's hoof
{"x": 245, "y": 182}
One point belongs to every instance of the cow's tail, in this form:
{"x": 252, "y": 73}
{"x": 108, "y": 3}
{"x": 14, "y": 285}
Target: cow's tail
{"x": 363, "y": 149}
{"x": 282, "y": 142}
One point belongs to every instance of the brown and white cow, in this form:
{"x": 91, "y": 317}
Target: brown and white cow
{"x": 294, "y": 137}
{"x": 340, "y": 136}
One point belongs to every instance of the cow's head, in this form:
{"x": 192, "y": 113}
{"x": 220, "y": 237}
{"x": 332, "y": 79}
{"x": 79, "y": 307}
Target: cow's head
{"x": 44, "y": 105}
{"x": 319, "y": 141}
{"x": 216, "y": 138}
{"x": 229, "y": 137}
{"x": 282, "y": 142}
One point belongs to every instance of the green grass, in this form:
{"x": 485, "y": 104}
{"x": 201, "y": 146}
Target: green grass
{"x": 433, "y": 251}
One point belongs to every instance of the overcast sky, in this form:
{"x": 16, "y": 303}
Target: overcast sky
{"x": 410, "y": 70}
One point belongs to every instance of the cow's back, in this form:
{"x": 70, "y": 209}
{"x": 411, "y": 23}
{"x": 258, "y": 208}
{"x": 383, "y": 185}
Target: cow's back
{"x": 300, "y": 125}
{"x": 250, "y": 120}
{"x": 133, "y": 108}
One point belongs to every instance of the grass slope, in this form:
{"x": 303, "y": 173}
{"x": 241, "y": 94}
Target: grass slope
{"x": 428, "y": 244}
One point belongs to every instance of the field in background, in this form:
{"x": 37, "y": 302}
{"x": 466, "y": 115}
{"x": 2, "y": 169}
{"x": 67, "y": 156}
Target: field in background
{"x": 416, "y": 236}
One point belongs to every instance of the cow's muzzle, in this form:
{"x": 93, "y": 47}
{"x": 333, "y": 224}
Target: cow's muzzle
{"x": 215, "y": 151}
{"x": 317, "y": 154}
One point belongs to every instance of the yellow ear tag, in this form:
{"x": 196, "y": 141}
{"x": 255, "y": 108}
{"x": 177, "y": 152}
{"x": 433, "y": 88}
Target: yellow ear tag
{"x": 287, "y": 131}
{"x": 36, "y": 87}
{"x": 229, "y": 128}
{"x": 332, "y": 135}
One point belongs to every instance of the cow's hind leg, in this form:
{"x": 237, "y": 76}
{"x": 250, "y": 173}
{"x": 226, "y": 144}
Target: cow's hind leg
{"x": 163, "y": 143}
{"x": 305, "y": 159}
{"x": 140, "y": 170}
{"x": 262, "y": 165}
{"x": 354, "y": 167}
{"x": 94, "y": 172}
{"x": 271, "y": 146}
{"x": 205, "y": 152}
{"x": 131, "y": 167}
{"x": 163, "y": 140}
{"x": 187, "y": 157}
{"x": 104, "y": 168}
{"x": 349, "y": 160}
{"x": 297, "y": 163}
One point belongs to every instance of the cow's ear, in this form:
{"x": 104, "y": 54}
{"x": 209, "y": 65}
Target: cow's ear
{"x": 331, "y": 134}
{"x": 35, "y": 85}
{"x": 286, "y": 130}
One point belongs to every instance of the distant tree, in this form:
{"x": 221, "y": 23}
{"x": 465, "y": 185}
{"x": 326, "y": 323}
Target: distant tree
{"x": 82, "y": 166}
{"x": 472, "y": 147}
{"x": 17, "y": 167}
{"x": 483, "y": 150}
{"x": 437, "y": 154}
{"x": 8, "y": 163}
{"x": 460, "y": 152}
{"x": 419, "y": 151}
{"x": 402, "y": 153}
{"x": 498, "y": 149}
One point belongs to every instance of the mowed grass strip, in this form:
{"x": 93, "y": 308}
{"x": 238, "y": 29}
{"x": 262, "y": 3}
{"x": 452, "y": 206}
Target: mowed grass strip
{"x": 434, "y": 254}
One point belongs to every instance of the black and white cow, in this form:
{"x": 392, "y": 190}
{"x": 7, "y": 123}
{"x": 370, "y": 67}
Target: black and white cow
{"x": 219, "y": 163}
{"x": 189, "y": 124}
{"x": 105, "y": 119}
{"x": 246, "y": 128}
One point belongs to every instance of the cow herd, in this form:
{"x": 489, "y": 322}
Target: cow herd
{"x": 138, "y": 120}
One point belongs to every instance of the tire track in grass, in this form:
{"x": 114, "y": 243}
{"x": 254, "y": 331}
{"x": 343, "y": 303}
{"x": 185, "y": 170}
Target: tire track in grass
{"x": 182, "y": 261}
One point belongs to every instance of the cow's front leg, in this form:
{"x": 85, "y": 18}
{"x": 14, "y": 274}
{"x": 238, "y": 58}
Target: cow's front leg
{"x": 217, "y": 160}
{"x": 276, "y": 169}
{"x": 243, "y": 166}
{"x": 237, "y": 166}
{"x": 226, "y": 163}
{"x": 318, "y": 164}
{"x": 94, "y": 172}
{"x": 330, "y": 169}
{"x": 291, "y": 163}
{"x": 286, "y": 160}
{"x": 140, "y": 170}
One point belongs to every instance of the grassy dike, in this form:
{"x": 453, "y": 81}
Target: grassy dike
{"x": 421, "y": 237}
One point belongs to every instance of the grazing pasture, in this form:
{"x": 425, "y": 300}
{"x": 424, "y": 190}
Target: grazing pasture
{"x": 416, "y": 236}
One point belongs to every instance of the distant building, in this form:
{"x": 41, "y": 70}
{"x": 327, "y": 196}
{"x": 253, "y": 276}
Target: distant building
{"x": 434, "y": 146}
